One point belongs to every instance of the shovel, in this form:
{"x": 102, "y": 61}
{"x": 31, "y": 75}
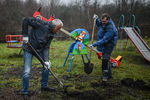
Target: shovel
{"x": 88, "y": 67}
{"x": 41, "y": 60}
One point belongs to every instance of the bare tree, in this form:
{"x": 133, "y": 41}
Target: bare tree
{"x": 77, "y": 14}
{"x": 50, "y": 6}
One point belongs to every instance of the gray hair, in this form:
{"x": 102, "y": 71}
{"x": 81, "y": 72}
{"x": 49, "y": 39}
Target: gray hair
{"x": 57, "y": 22}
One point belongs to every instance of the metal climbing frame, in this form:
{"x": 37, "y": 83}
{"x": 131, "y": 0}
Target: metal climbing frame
{"x": 121, "y": 28}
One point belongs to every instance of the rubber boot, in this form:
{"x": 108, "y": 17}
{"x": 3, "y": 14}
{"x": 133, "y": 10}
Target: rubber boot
{"x": 110, "y": 75}
{"x": 105, "y": 69}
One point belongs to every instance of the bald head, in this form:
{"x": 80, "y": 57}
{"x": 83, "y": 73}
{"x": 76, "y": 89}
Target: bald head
{"x": 58, "y": 24}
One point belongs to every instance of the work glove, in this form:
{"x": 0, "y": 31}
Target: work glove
{"x": 25, "y": 39}
{"x": 95, "y": 16}
{"x": 48, "y": 63}
{"x": 91, "y": 46}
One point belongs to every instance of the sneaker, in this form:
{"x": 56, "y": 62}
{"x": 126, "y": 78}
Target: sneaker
{"x": 48, "y": 89}
{"x": 25, "y": 97}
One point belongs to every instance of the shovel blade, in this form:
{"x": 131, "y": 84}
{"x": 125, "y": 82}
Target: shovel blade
{"x": 88, "y": 67}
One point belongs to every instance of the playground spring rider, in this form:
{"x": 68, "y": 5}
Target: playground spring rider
{"x": 81, "y": 37}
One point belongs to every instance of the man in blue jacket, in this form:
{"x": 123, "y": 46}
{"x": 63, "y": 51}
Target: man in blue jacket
{"x": 40, "y": 38}
{"x": 106, "y": 40}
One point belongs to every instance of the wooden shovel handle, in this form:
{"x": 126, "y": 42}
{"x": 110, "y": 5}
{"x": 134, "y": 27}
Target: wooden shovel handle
{"x": 92, "y": 37}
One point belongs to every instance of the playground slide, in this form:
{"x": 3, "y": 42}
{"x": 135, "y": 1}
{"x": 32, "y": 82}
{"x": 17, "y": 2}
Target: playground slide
{"x": 138, "y": 42}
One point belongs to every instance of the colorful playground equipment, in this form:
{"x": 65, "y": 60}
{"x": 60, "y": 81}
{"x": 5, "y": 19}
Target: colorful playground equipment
{"x": 14, "y": 41}
{"x": 133, "y": 32}
{"x": 114, "y": 62}
{"x": 81, "y": 37}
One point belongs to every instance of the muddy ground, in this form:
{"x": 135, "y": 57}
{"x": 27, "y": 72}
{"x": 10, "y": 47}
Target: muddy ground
{"x": 125, "y": 89}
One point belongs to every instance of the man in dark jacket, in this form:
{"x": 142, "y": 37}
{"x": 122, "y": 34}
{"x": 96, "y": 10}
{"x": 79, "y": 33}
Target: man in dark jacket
{"x": 106, "y": 41}
{"x": 40, "y": 38}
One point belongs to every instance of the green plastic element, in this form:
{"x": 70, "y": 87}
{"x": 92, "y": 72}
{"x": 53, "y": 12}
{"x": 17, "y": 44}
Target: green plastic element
{"x": 86, "y": 41}
{"x": 84, "y": 51}
{"x": 75, "y": 34}
{"x": 76, "y": 51}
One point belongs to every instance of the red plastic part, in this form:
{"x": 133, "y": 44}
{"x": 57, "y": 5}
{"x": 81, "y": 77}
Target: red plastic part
{"x": 10, "y": 38}
{"x": 38, "y": 14}
{"x": 118, "y": 62}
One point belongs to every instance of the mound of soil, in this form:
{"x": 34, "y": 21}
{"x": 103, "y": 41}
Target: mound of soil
{"x": 84, "y": 95}
{"x": 138, "y": 84}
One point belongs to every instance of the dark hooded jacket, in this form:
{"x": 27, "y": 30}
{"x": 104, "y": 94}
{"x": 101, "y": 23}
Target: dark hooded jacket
{"x": 40, "y": 36}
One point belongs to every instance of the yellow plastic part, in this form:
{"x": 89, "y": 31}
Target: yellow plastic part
{"x": 118, "y": 58}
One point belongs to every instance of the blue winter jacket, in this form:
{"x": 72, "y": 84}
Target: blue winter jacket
{"x": 107, "y": 37}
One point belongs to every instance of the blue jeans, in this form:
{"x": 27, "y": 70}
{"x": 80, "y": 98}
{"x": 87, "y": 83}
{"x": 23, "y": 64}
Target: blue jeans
{"x": 27, "y": 72}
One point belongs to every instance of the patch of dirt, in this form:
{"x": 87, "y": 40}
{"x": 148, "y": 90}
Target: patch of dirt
{"x": 15, "y": 56}
{"x": 90, "y": 95}
{"x": 98, "y": 90}
{"x": 2, "y": 64}
{"x": 13, "y": 94}
{"x": 81, "y": 78}
{"x": 35, "y": 72}
{"x": 86, "y": 95}
{"x": 95, "y": 84}
{"x": 138, "y": 84}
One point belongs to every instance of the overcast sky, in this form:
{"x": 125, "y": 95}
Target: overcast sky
{"x": 69, "y": 1}
{"x": 72, "y": 1}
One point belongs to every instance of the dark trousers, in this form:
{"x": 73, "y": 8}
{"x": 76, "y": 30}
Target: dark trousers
{"x": 106, "y": 66}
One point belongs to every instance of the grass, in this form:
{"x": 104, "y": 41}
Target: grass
{"x": 132, "y": 66}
